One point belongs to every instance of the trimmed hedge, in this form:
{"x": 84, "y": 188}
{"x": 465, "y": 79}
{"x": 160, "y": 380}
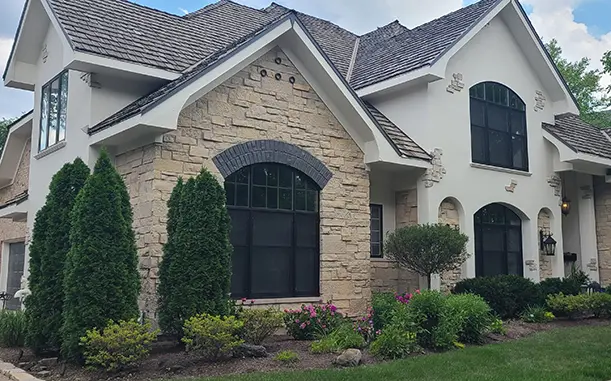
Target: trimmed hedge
{"x": 507, "y": 295}
{"x": 196, "y": 268}
{"x": 48, "y": 251}
{"x": 101, "y": 280}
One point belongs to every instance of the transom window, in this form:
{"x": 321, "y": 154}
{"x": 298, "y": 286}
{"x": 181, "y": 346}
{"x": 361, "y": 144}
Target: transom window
{"x": 275, "y": 232}
{"x": 498, "y": 127}
{"x": 498, "y": 241}
{"x": 376, "y": 230}
{"x": 54, "y": 102}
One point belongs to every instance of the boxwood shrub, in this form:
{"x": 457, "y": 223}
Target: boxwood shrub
{"x": 507, "y": 295}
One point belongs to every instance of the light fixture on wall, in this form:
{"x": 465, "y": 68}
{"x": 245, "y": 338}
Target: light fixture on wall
{"x": 565, "y": 205}
{"x": 547, "y": 244}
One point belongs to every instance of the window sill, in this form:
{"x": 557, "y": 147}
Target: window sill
{"x": 379, "y": 259}
{"x": 49, "y": 150}
{"x": 501, "y": 169}
{"x": 300, "y": 300}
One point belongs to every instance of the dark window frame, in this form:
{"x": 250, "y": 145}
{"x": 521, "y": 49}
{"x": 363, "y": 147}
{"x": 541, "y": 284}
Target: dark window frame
{"x": 505, "y": 228}
{"x": 62, "y": 108}
{"x": 258, "y": 211}
{"x": 478, "y": 94}
{"x": 380, "y": 229}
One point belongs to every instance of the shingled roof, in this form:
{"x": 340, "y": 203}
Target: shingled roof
{"x": 191, "y": 43}
{"x": 580, "y": 136}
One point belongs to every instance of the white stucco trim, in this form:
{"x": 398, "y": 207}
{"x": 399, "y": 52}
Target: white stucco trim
{"x": 501, "y": 169}
{"x": 49, "y": 150}
{"x": 568, "y": 155}
{"x": 424, "y": 74}
{"x": 16, "y": 212}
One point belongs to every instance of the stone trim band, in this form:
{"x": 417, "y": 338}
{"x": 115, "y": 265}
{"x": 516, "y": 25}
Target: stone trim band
{"x": 272, "y": 151}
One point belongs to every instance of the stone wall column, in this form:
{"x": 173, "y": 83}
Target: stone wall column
{"x": 602, "y": 197}
{"x": 587, "y": 226}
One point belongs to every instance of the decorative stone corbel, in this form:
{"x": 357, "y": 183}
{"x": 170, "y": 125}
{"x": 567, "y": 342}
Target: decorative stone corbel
{"x": 539, "y": 100}
{"x": 555, "y": 182}
{"x": 90, "y": 80}
{"x": 456, "y": 84}
{"x": 44, "y": 53}
{"x": 434, "y": 174}
{"x": 512, "y": 186}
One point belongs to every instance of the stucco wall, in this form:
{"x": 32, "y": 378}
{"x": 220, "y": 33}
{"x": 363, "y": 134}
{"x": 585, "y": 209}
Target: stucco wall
{"x": 443, "y": 121}
{"x": 249, "y": 107}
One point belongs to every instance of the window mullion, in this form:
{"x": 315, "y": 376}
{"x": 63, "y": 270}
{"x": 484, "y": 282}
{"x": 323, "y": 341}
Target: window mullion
{"x": 293, "y": 259}
{"x": 487, "y": 134}
{"x": 59, "y": 108}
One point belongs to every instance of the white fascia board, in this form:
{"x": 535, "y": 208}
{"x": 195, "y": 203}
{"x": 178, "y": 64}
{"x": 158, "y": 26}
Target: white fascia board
{"x": 13, "y": 151}
{"x": 16, "y": 212}
{"x": 82, "y": 61}
{"x": 102, "y": 136}
{"x": 426, "y": 72}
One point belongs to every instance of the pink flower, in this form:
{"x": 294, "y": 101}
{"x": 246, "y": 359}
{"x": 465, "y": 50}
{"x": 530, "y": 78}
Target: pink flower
{"x": 296, "y": 321}
{"x": 243, "y": 300}
{"x": 332, "y": 308}
{"x": 378, "y": 332}
{"x": 252, "y": 301}
{"x": 302, "y": 326}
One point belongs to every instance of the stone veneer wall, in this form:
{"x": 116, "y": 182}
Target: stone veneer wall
{"x": 602, "y": 206}
{"x": 449, "y": 215}
{"x": 251, "y": 107}
{"x": 545, "y": 262}
{"x": 385, "y": 275}
{"x": 10, "y": 230}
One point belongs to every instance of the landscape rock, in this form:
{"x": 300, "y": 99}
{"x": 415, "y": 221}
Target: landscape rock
{"x": 350, "y": 357}
{"x": 51, "y": 361}
{"x": 249, "y": 350}
{"x": 43, "y": 373}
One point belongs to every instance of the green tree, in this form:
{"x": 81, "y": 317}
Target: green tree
{"x": 50, "y": 245}
{"x": 195, "y": 273}
{"x": 101, "y": 276}
{"x": 585, "y": 84}
{"x": 4, "y": 123}
{"x": 427, "y": 249}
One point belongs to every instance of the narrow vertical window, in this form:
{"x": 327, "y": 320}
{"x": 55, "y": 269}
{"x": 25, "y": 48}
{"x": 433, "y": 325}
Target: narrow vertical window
{"x": 53, "y": 112}
{"x": 376, "y": 230}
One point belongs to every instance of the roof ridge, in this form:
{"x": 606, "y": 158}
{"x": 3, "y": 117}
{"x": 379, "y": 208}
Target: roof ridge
{"x": 461, "y": 9}
{"x": 205, "y": 9}
{"x": 353, "y": 58}
{"x": 321, "y": 19}
{"x": 156, "y": 10}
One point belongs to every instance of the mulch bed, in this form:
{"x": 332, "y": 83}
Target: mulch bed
{"x": 169, "y": 361}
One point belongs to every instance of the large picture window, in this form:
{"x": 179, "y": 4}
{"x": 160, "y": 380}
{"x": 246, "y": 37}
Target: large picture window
{"x": 498, "y": 241}
{"x": 275, "y": 232}
{"x": 54, "y": 103}
{"x": 498, "y": 127}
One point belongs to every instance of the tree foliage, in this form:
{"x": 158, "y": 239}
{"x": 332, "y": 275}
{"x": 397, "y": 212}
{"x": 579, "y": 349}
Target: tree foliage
{"x": 427, "y": 249}
{"x": 101, "y": 282}
{"x": 4, "y": 123}
{"x": 195, "y": 273}
{"x": 48, "y": 250}
{"x": 585, "y": 84}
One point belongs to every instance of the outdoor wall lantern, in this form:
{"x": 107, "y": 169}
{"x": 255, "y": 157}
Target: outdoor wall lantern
{"x": 565, "y": 206}
{"x": 547, "y": 244}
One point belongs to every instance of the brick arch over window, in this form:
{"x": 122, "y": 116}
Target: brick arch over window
{"x": 272, "y": 151}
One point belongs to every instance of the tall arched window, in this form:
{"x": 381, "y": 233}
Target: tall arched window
{"x": 498, "y": 241}
{"x": 498, "y": 127}
{"x": 275, "y": 232}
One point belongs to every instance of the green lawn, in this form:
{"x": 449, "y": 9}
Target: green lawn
{"x": 571, "y": 354}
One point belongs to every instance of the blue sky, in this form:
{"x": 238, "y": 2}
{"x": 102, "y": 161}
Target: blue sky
{"x": 583, "y": 27}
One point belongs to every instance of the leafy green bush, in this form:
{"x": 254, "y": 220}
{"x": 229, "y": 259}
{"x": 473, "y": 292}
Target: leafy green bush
{"x": 537, "y": 315}
{"x": 312, "y": 320}
{"x": 212, "y": 336}
{"x": 498, "y": 327}
{"x": 599, "y": 304}
{"x": 427, "y": 249}
{"x": 394, "y": 343}
{"x": 13, "y": 328}
{"x": 259, "y": 324}
{"x": 287, "y": 357}
{"x": 474, "y": 314}
{"x": 571, "y": 306}
{"x": 48, "y": 250}
{"x": 195, "y": 272}
{"x": 118, "y": 345}
{"x": 439, "y": 325}
{"x": 507, "y": 295}
{"x": 101, "y": 278}
{"x": 553, "y": 286}
{"x": 383, "y": 304}
{"x": 342, "y": 338}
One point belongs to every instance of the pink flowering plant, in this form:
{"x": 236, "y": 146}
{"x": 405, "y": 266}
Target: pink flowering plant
{"x": 405, "y": 298}
{"x": 364, "y": 326}
{"x": 313, "y": 320}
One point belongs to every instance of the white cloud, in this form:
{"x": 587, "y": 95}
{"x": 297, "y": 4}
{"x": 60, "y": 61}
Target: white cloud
{"x": 183, "y": 10}
{"x": 362, "y": 16}
{"x": 555, "y": 19}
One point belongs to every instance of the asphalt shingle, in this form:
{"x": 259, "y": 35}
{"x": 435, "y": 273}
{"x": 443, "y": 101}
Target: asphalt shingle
{"x": 580, "y": 136}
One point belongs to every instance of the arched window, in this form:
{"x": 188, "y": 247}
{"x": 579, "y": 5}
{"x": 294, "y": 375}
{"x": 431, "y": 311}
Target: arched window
{"x": 498, "y": 127}
{"x": 275, "y": 232}
{"x": 498, "y": 241}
